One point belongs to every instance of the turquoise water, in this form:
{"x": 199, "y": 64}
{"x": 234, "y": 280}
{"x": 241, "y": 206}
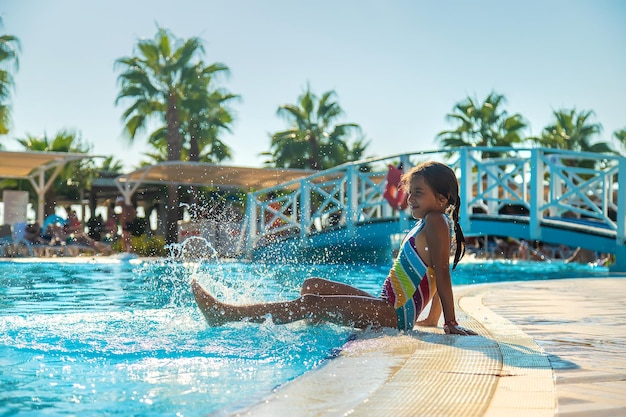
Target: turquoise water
{"x": 118, "y": 338}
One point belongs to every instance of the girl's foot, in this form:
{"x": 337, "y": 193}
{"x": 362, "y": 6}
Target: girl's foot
{"x": 213, "y": 310}
{"x": 427, "y": 323}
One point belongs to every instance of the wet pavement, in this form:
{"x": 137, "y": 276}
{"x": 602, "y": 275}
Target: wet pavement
{"x": 544, "y": 348}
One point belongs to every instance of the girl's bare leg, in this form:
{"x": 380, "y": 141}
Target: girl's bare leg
{"x": 357, "y": 311}
{"x": 321, "y": 286}
{"x": 432, "y": 320}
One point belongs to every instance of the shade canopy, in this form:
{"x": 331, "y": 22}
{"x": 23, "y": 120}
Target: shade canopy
{"x": 202, "y": 174}
{"x": 24, "y": 165}
{"x": 33, "y": 166}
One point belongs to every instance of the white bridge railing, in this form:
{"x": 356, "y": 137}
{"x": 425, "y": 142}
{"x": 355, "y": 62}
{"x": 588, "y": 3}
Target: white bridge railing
{"x": 544, "y": 184}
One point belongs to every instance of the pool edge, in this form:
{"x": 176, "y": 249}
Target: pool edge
{"x": 500, "y": 372}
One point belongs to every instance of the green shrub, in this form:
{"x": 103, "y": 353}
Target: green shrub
{"x": 145, "y": 245}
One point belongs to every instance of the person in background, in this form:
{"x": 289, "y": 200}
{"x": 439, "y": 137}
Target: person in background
{"x": 73, "y": 223}
{"x": 127, "y": 220}
{"x": 95, "y": 225}
{"x": 32, "y": 234}
{"x": 63, "y": 236}
{"x": 111, "y": 224}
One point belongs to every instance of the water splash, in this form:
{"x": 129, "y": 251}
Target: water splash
{"x": 193, "y": 248}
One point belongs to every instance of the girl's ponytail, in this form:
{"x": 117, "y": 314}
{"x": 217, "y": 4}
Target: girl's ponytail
{"x": 460, "y": 238}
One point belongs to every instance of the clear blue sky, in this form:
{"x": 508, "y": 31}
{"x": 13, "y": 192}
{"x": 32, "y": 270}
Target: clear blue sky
{"x": 398, "y": 67}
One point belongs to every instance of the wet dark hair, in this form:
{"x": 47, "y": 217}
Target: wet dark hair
{"x": 442, "y": 179}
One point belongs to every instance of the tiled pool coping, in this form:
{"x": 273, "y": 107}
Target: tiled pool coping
{"x": 502, "y": 372}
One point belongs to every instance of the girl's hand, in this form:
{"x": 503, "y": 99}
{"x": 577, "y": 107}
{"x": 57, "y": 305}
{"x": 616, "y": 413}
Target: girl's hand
{"x": 453, "y": 327}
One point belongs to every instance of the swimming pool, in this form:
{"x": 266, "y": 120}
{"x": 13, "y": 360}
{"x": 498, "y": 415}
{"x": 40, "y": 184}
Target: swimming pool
{"x": 124, "y": 338}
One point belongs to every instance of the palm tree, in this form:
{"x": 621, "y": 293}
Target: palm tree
{"x": 483, "y": 124}
{"x": 573, "y": 131}
{"x": 205, "y": 116}
{"x": 154, "y": 82}
{"x": 9, "y": 49}
{"x": 208, "y": 114}
{"x": 202, "y": 126}
{"x": 110, "y": 164}
{"x": 205, "y": 126}
{"x": 357, "y": 150}
{"x": 74, "y": 177}
{"x": 313, "y": 141}
{"x": 620, "y": 135}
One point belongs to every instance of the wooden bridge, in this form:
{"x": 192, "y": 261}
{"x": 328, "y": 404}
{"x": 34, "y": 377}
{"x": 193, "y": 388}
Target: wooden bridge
{"x": 539, "y": 194}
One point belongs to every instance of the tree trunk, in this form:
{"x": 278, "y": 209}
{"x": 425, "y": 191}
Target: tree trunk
{"x": 314, "y": 162}
{"x": 194, "y": 146}
{"x": 172, "y": 216}
{"x": 174, "y": 150}
{"x": 194, "y": 156}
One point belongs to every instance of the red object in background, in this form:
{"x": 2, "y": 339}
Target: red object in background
{"x": 394, "y": 194}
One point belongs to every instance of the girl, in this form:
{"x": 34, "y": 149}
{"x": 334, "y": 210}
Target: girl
{"x": 421, "y": 268}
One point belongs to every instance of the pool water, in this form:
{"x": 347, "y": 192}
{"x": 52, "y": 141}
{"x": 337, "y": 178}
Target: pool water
{"x": 110, "y": 337}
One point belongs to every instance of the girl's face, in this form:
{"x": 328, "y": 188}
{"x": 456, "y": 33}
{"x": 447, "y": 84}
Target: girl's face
{"x": 422, "y": 199}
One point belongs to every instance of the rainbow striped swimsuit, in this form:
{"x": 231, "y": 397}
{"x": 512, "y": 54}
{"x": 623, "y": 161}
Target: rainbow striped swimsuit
{"x": 410, "y": 284}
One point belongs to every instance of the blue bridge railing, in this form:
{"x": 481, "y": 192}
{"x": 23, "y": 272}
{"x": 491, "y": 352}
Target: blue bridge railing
{"x": 532, "y": 193}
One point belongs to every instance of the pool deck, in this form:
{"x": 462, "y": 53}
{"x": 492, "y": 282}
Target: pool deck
{"x": 544, "y": 348}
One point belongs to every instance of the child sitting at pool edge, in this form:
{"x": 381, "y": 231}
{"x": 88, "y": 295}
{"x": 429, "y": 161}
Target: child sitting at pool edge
{"x": 421, "y": 269}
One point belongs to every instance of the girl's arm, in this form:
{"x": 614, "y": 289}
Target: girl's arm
{"x": 438, "y": 240}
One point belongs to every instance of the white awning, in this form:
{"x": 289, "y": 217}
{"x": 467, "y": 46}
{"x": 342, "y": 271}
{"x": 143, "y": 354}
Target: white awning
{"x": 203, "y": 174}
{"x": 32, "y": 166}
{"x": 24, "y": 165}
